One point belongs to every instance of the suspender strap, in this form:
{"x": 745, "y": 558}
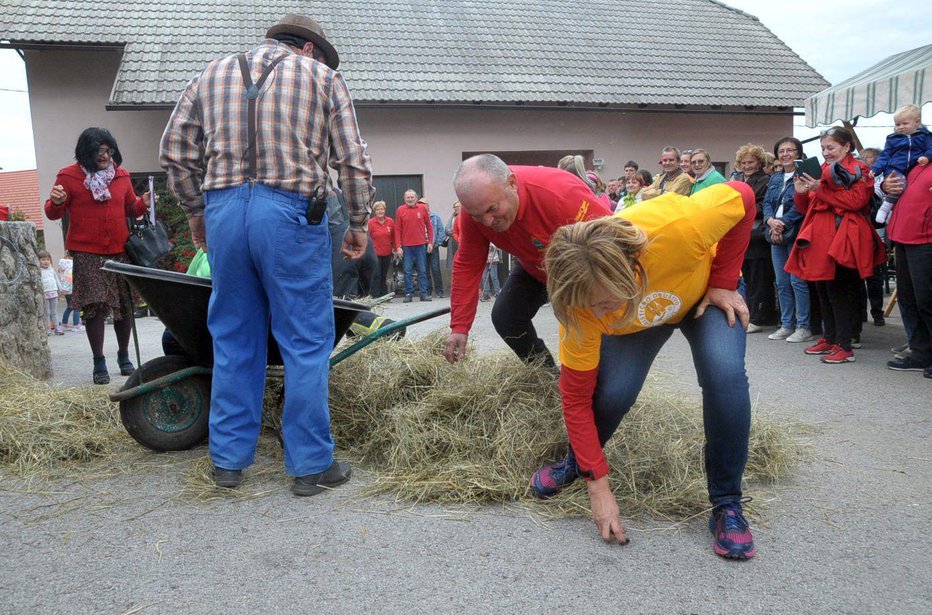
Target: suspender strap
{"x": 252, "y": 100}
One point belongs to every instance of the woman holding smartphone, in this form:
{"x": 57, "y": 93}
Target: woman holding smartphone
{"x": 837, "y": 246}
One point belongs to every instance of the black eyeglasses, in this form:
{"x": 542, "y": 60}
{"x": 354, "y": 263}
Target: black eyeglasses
{"x": 104, "y": 151}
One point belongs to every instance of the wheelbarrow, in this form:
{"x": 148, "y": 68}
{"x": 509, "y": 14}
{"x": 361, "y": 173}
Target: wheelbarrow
{"x": 165, "y": 403}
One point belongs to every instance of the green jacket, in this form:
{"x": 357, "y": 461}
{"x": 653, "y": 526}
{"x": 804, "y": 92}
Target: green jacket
{"x": 712, "y": 178}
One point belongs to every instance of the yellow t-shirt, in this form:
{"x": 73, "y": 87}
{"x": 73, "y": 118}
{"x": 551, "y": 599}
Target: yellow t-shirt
{"x": 682, "y": 234}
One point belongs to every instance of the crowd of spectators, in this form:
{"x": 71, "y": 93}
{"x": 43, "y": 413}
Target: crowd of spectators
{"x": 825, "y": 306}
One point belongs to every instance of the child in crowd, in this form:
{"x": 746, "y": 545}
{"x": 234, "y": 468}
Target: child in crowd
{"x": 633, "y": 185}
{"x": 490, "y": 284}
{"x": 65, "y": 269}
{"x": 909, "y": 145}
{"x": 51, "y": 286}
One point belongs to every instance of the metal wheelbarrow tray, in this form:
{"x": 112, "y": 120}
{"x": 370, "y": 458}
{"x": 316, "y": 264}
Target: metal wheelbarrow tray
{"x": 165, "y": 403}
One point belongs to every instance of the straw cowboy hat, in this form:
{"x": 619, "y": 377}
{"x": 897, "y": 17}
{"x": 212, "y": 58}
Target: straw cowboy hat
{"x": 309, "y": 30}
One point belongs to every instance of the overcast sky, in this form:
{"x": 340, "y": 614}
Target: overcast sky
{"x": 839, "y": 38}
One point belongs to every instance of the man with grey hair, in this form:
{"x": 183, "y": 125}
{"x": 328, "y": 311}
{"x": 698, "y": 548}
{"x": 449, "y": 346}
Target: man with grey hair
{"x": 673, "y": 179}
{"x": 517, "y": 208}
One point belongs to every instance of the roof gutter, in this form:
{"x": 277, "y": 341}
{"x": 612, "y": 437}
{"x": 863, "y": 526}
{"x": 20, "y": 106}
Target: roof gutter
{"x": 567, "y": 106}
{"x": 60, "y": 46}
{"x": 522, "y": 106}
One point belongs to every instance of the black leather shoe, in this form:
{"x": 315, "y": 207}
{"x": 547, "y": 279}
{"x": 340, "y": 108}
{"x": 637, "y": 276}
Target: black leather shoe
{"x": 126, "y": 366}
{"x": 338, "y": 473}
{"x": 100, "y": 374}
{"x": 228, "y": 479}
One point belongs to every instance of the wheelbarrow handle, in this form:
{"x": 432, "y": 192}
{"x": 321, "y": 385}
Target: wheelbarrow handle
{"x": 386, "y": 330}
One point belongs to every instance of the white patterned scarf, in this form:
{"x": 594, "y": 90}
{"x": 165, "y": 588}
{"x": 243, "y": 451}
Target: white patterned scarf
{"x": 99, "y": 182}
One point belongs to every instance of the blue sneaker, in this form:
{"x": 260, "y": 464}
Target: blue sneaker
{"x": 551, "y": 479}
{"x": 731, "y": 531}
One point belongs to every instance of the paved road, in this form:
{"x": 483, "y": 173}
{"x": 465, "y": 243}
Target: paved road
{"x": 848, "y": 534}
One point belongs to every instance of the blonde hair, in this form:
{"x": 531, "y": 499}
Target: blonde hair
{"x": 750, "y": 150}
{"x": 910, "y": 111}
{"x": 577, "y": 166}
{"x": 379, "y": 204}
{"x": 769, "y": 160}
{"x": 603, "y": 251}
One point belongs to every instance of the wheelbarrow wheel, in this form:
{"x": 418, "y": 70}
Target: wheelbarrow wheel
{"x": 172, "y": 418}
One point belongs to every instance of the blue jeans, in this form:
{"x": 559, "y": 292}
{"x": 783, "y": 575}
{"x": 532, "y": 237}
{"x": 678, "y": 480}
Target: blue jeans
{"x": 269, "y": 268}
{"x": 70, "y": 311}
{"x": 415, "y": 256}
{"x": 792, "y": 292}
{"x": 718, "y": 354}
{"x": 435, "y": 281}
{"x": 490, "y": 284}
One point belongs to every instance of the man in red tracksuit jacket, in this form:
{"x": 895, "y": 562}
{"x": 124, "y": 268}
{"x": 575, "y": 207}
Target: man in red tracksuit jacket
{"x": 414, "y": 236}
{"x": 517, "y": 208}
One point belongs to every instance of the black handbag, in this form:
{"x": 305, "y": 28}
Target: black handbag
{"x": 147, "y": 242}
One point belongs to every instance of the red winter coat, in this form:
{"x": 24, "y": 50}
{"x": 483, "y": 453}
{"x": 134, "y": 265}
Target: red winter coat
{"x": 836, "y": 229}
{"x": 98, "y": 227}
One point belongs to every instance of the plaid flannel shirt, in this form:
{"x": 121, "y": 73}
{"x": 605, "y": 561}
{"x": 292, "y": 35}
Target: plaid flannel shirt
{"x": 305, "y": 123}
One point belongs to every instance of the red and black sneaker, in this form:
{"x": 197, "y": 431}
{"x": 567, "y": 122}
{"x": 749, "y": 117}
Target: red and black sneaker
{"x": 732, "y": 533}
{"x": 820, "y": 347}
{"x": 551, "y": 479}
{"x": 839, "y": 355}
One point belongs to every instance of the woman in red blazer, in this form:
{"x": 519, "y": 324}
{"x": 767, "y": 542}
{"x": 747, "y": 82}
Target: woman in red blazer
{"x": 98, "y": 196}
{"x": 837, "y": 246}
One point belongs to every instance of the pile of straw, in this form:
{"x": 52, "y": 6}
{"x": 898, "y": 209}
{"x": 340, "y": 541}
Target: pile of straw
{"x": 428, "y": 432}
{"x": 478, "y": 431}
{"x": 43, "y": 428}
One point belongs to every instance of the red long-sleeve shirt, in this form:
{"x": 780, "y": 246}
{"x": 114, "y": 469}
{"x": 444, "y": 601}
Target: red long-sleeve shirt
{"x": 383, "y": 235}
{"x": 412, "y": 226}
{"x": 548, "y": 198}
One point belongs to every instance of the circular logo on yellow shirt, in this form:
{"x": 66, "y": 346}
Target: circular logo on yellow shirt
{"x": 657, "y": 308}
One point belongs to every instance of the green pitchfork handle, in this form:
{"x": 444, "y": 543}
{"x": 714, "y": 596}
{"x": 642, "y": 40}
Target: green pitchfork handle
{"x": 383, "y": 331}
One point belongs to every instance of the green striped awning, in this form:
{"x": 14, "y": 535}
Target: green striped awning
{"x": 899, "y": 80}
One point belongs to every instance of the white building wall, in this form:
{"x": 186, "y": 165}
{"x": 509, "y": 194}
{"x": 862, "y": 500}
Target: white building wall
{"x": 431, "y": 141}
{"x": 69, "y": 90}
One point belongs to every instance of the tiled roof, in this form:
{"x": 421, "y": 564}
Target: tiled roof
{"x": 20, "y": 190}
{"x": 593, "y": 53}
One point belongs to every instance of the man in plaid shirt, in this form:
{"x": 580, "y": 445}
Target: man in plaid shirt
{"x": 247, "y": 180}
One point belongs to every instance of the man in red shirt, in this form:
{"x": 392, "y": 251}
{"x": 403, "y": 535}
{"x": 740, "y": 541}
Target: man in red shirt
{"x": 518, "y": 209}
{"x": 414, "y": 238}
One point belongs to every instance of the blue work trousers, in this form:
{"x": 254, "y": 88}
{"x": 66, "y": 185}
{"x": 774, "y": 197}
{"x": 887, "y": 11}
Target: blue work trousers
{"x": 415, "y": 256}
{"x": 792, "y": 292}
{"x": 269, "y": 268}
{"x": 718, "y": 355}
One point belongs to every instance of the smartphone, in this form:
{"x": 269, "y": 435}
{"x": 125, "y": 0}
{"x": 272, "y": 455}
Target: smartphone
{"x": 810, "y": 166}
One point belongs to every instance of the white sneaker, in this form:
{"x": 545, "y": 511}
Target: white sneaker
{"x": 752, "y": 328}
{"x": 801, "y": 335}
{"x": 780, "y": 334}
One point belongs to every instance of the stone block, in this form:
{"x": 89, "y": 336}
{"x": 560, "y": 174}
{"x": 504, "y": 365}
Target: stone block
{"x": 23, "y": 331}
